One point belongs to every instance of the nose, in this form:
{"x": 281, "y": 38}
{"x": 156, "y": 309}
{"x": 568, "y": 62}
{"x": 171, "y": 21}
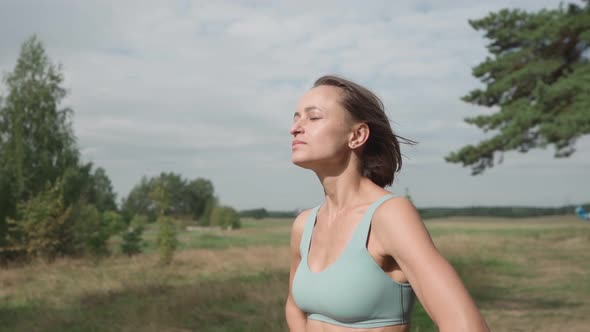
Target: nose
{"x": 296, "y": 128}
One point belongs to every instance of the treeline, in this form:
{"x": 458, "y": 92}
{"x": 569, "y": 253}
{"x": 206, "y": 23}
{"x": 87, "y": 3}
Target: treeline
{"x": 443, "y": 212}
{"x": 261, "y": 213}
{"x": 184, "y": 199}
{"x": 54, "y": 204}
{"x": 496, "y": 211}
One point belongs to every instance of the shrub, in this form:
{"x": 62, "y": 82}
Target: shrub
{"x": 90, "y": 232}
{"x": 113, "y": 222}
{"x": 132, "y": 238}
{"x": 37, "y": 230}
{"x": 167, "y": 241}
{"x": 225, "y": 217}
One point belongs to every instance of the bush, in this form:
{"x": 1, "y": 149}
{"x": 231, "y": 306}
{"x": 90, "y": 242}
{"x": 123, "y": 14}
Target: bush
{"x": 90, "y": 232}
{"x": 132, "y": 241}
{"x": 225, "y": 217}
{"x": 167, "y": 241}
{"x": 113, "y": 222}
{"x": 210, "y": 205}
{"x": 37, "y": 231}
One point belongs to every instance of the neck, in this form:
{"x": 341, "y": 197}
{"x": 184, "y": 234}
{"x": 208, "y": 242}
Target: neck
{"x": 344, "y": 188}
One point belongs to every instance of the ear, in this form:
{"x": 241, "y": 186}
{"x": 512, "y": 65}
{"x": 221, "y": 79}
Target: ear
{"x": 360, "y": 135}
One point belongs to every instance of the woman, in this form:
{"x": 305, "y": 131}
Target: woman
{"x": 359, "y": 260}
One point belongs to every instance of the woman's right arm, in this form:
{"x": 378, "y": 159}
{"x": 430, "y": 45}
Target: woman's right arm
{"x": 296, "y": 319}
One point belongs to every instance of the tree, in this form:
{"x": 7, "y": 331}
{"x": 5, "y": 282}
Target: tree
{"x": 185, "y": 198}
{"x": 132, "y": 238}
{"x": 199, "y": 192}
{"x": 36, "y": 139}
{"x": 90, "y": 233}
{"x": 82, "y": 185}
{"x": 210, "y": 205}
{"x": 37, "y": 230}
{"x": 103, "y": 195}
{"x": 38, "y": 151}
{"x": 538, "y": 78}
{"x": 113, "y": 222}
{"x": 139, "y": 202}
{"x": 166, "y": 238}
{"x": 174, "y": 187}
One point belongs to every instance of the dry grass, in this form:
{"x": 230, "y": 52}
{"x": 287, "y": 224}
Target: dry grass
{"x": 538, "y": 269}
{"x": 525, "y": 275}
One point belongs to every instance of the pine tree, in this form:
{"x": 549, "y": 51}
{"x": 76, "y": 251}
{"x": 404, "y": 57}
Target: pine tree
{"x": 537, "y": 76}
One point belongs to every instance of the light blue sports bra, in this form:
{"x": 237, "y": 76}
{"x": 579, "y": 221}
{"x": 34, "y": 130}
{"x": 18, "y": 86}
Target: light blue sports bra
{"x": 353, "y": 291}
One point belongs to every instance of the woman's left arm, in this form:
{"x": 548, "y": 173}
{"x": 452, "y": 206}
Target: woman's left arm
{"x": 401, "y": 232}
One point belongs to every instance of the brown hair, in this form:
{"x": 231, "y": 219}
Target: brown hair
{"x": 381, "y": 156}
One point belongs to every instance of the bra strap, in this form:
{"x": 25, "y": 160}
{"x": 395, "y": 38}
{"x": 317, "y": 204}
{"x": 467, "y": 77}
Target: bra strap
{"x": 307, "y": 230}
{"x": 362, "y": 231}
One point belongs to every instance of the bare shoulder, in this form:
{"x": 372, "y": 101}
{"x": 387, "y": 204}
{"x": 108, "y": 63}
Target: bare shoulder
{"x": 299, "y": 224}
{"x": 397, "y": 225}
{"x": 396, "y": 211}
{"x": 297, "y": 231}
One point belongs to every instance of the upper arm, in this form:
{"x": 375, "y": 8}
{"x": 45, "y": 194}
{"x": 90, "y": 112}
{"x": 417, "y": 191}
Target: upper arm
{"x": 295, "y": 317}
{"x": 400, "y": 230}
{"x": 296, "y": 234}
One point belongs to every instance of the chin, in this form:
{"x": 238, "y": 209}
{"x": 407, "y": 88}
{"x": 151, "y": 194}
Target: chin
{"x": 301, "y": 162}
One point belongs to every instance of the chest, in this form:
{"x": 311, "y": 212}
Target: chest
{"x": 331, "y": 239}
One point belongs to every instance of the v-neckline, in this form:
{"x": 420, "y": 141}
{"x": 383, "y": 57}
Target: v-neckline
{"x": 348, "y": 243}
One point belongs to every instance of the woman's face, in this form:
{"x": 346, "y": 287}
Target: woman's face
{"x": 321, "y": 129}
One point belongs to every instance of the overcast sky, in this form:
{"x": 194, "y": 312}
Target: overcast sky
{"x": 208, "y": 89}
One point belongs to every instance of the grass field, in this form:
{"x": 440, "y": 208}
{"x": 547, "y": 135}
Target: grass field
{"x": 524, "y": 274}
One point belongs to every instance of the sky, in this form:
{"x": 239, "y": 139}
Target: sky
{"x": 208, "y": 89}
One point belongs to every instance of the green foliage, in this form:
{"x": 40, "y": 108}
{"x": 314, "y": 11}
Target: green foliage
{"x": 166, "y": 239}
{"x": 282, "y": 214}
{"x": 82, "y": 185}
{"x": 90, "y": 234}
{"x": 199, "y": 193}
{"x": 132, "y": 238}
{"x": 46, "y": 228}
{"x": 102, "y": 194}
{"x": 225, "y": 217}
{"x": 538, "y": 78}
{"x": 132, "y": 241}
{"x": 139, "y": 202}
{"x": 36, "y": 138}
{"x": 161, "y": 198}
{"x": 497, "y": 211}
{"x": 38, "y": 147}
{"x": 184, "y": 198}
{"x": 40, "y": 223}
{"x": 113, "y": 222}
{"x": 210, "y": 205}
{"x": 138, "y": 221}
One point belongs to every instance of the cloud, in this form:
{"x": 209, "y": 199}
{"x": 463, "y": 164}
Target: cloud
{"x": 208, "y": 88}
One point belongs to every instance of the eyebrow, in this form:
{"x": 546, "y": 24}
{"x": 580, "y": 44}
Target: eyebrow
{"x": 308, "y": 109}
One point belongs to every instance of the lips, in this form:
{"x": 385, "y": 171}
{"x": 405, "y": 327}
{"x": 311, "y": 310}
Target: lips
{"x": 297, "y": 142}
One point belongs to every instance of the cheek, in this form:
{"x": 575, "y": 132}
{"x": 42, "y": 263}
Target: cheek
{"x": 335, "y": 139}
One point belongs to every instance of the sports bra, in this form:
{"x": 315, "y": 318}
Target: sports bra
{"x": 353, "y": 291}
